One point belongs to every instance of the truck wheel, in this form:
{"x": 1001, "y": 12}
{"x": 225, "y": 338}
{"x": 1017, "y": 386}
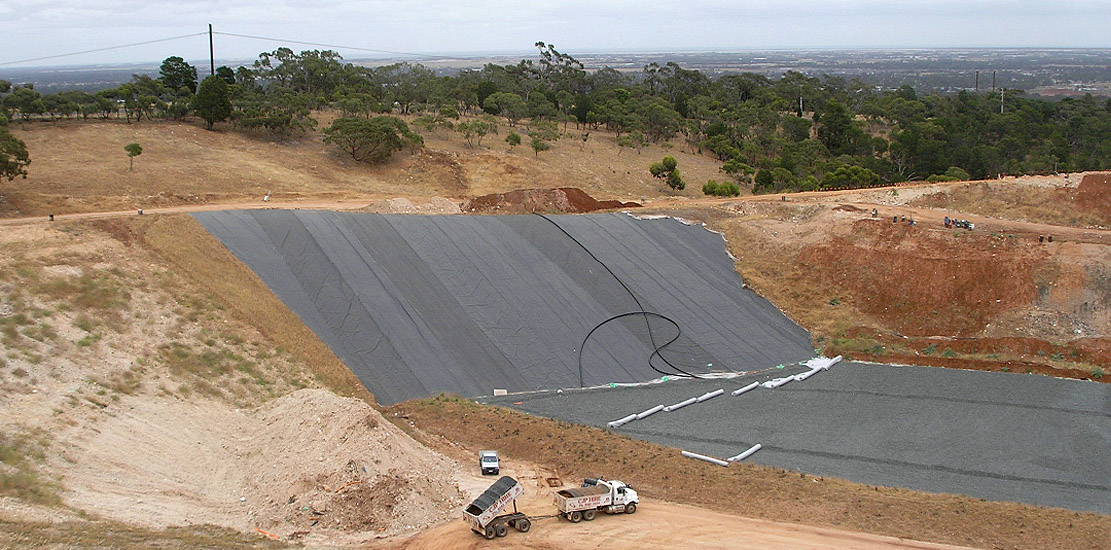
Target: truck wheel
{"x": 575, "y": 517}
{"x": 631, "y": 508}
{"x": 523, "y": 525}
{"x": 490, "y": 534}
{"x": 501, "y": 530}
{"x": 588, "y": 515}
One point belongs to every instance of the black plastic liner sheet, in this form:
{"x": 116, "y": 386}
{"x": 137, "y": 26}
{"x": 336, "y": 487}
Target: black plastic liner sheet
{"x": 418, "y": 305}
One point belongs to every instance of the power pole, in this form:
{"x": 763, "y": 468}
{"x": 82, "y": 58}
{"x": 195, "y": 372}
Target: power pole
{"x": 977, "y": 81}
{"x": 211, "y": 55}
{"x": 1000, "y": 100}
{"x": 993, "y": 81}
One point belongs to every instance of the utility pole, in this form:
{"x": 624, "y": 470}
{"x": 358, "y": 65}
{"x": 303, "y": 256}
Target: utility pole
{"x": 1000, "y": 100}
{"x": 993, "y": 81}
{"x": 977, "y": 81}
{"x": 211, "y": 55}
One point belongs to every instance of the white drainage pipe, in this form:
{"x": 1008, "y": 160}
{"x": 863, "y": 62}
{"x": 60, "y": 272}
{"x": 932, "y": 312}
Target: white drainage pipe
{"x": 804, "y": 375}
{"x": 680, "y": 405}
{"x": 623, "y": 421}
{"x": 777, "y": 382}
{"x": 710, "y": 395}
{"x": 751, "y": 450}
{"x": 749, "y": 387}
{"x": 709, "y": 459}
{"x": 650, "y": 412}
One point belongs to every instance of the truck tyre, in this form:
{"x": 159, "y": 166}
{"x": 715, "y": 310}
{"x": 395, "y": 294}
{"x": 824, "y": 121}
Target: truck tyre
{"x": 501, "y": 530}
{"x": 575, "y": 517}
{"x": 631, "y": 508}
{"x": 588, "y": 515}
{"x": 490, "y": 534}
{"x": 523, "y": 525}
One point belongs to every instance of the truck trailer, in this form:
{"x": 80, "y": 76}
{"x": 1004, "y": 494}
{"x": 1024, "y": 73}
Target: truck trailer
{"x": 596, "y": 495}
{"x": 482, "y": 514}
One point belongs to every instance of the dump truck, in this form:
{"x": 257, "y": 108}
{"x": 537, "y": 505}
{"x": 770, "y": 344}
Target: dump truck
{"x": 596, "y": 495}
{"x": 482, "y": 514}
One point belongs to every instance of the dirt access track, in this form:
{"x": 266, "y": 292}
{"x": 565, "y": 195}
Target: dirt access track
{"x": 655, "y": 524}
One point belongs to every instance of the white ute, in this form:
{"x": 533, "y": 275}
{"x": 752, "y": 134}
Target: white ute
{"x": 488, "y": 461}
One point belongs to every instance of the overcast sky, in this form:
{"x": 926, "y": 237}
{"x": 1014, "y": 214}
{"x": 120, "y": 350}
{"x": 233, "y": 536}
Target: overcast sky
{"x": 32, "y": 29}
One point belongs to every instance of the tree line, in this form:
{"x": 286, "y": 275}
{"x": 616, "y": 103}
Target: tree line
{"x": 794, "y": 133}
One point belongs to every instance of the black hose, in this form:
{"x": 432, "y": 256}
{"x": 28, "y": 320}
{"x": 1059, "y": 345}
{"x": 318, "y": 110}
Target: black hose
{"x": 640, "y": 311}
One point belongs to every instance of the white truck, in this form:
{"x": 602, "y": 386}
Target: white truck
{"x": 488, "y": 462}
{"x": 596, "y": 495}
{"x": 482, "y": 514}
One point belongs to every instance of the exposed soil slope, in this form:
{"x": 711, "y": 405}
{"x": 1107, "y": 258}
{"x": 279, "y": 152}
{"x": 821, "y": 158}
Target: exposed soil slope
{"x": 526, "y": 201}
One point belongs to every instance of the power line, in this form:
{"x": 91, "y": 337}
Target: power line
{"x": 102, "y": 49}
{"x": 285, "y": 41}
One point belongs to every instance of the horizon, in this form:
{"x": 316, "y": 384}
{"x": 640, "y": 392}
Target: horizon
{"x": 480, "y": 55}
{"x": 76, "y": 32}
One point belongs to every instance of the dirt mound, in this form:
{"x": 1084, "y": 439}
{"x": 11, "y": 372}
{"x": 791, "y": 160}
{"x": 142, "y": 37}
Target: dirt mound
{"x": 526, "y": 201}
{"x": 922, "y": 283}
{"x": 309, "y": 463}
{"x": 1094, "y": 194}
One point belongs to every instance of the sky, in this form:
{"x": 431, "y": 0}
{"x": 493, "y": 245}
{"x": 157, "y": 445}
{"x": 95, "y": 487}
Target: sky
{"x": 34, "y": 29}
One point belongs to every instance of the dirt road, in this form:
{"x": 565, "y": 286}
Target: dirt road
{"x": 655, "y": 525}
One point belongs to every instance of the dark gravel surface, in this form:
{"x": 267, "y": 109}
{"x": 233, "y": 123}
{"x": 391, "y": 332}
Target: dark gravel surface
{"x": 997, "y": 436}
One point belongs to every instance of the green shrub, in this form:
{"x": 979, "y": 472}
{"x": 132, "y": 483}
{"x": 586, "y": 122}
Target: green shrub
{"x": 723, "y": 189}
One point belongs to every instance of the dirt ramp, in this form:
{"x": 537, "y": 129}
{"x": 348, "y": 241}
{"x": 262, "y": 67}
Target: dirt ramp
{"x": 524, "y": 201}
